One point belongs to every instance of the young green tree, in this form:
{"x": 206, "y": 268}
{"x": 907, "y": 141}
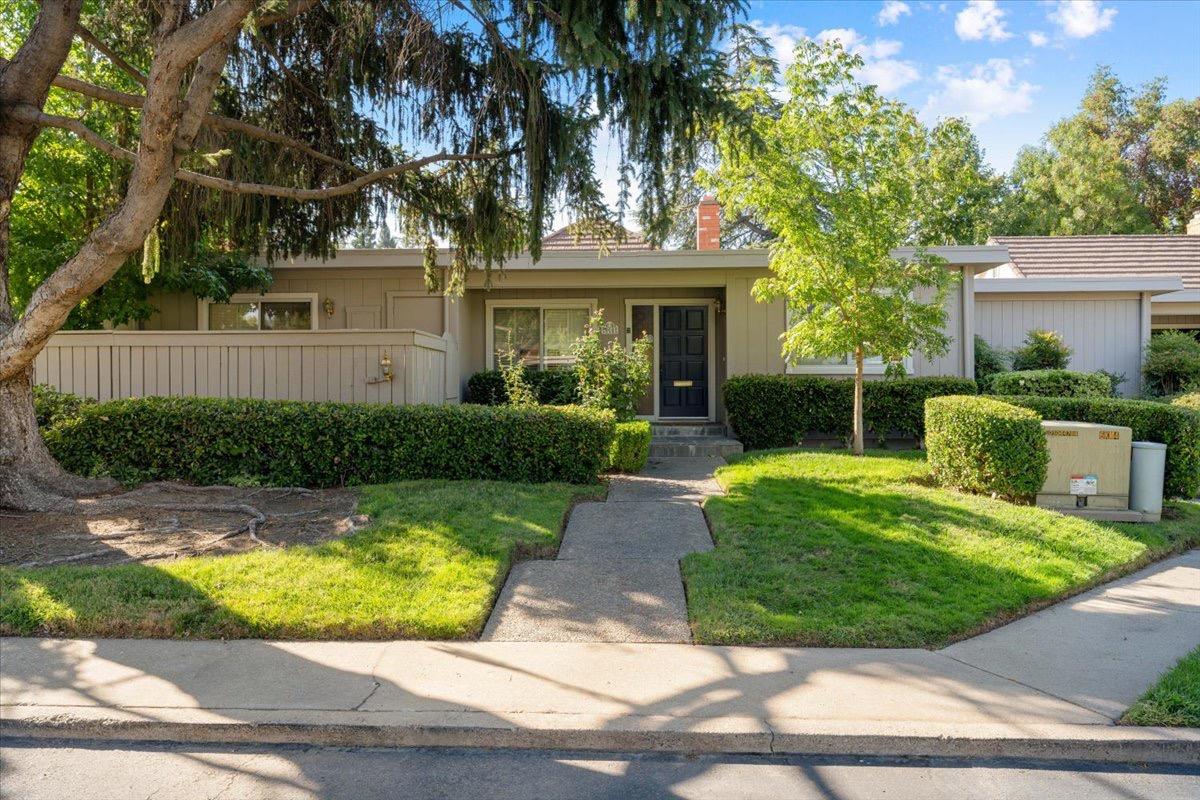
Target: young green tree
{"x": 837, "y": 175}
{"x": 272, "y": 126}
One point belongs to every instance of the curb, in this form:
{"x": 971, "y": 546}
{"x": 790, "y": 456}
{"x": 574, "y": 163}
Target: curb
{"x": 1090, "y": 743}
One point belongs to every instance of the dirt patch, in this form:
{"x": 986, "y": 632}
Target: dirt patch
{"x": 165, "y": 521}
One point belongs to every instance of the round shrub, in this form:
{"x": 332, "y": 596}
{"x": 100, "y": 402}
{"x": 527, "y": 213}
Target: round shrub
{"x": 979, "y": 444}
{"x": 1053, "y": 383}
{"x": 630, "y": 447}
{"x": 1172, "y": 363}
{"x": 1191, "y": 400}
{"x": 1042, "y": 350}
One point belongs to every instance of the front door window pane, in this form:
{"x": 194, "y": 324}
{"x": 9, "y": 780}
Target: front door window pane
{"x": 520, "y": 329}
{"x": 287, "y": 316}
{"x": 233, "y": 317}
{"x": 642, "y": 326}
{"x": 563, "y": 327}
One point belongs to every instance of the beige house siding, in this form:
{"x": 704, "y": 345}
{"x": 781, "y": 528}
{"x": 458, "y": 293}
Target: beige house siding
{"x": 1105, "y": 331}
{"x": 379, "y": 288}
{"x": 318, "y": 365}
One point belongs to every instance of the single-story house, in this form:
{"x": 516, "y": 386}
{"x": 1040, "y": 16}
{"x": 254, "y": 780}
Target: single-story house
{"x": 361, "y": 327}
{"x": 1105, "y": 294}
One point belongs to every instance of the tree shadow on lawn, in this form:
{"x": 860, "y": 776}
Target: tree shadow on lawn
{"x": 430, "y": 567}
{"x": 849, "y": 562}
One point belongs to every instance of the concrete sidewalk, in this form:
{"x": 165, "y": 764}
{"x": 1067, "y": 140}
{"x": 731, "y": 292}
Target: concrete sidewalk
{"x": 616, "y": 577}
{"x": 1048, "y": 686}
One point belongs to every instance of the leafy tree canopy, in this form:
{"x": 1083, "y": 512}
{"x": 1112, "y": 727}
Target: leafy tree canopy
{"x": 840, "y": 175}
{"x": 1126, "y": 162}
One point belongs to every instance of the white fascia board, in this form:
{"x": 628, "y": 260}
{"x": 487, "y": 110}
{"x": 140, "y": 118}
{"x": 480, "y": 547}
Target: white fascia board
{"x": 1076, "y": 285}
{"x": 1185, "y": 296}
{"x": 980, "y": 257}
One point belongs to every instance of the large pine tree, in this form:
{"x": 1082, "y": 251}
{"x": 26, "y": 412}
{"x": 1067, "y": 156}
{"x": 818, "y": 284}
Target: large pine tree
{"x": 279, "y": 126}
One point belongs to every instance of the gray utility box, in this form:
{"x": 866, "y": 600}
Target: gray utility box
{"x": 1089, "y": 466}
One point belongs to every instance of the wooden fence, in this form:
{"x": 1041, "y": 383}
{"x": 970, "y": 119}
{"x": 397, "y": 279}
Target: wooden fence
{"x": 342, "y": 366}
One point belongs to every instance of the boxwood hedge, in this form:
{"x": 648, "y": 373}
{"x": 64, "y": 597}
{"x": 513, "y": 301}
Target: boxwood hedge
{"x": 980, "y": 444}
{"x": 1177, "y": 428}
{"x": 52, "y": 406}
{"x": 289, "y": 443}
{"x": 1052, "y": 383}
{"x": 780, "y": 410}
{"x": 554, "y": 387}
{"x": 630, "y": 447}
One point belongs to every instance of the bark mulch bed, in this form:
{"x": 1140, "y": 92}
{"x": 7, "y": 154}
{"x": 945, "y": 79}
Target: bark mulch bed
{"x": 164, "y": 521}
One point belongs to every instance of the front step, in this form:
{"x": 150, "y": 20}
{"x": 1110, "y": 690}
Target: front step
{"x": 687, "y": 429}
{"x": 693, "y": 445}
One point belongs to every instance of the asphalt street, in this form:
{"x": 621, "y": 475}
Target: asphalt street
{"x": 33, "y": 770}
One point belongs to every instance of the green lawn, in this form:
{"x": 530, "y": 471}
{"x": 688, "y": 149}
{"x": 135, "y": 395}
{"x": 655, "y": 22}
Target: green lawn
{"x": 819, "y": 548}
{"x": 428, "y": 566}
{"x": 1174, "y": 700}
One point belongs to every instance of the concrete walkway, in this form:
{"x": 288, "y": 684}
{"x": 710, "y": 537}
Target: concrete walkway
{"x": 616, "y": 578}
{"x": 1048, "y": 686}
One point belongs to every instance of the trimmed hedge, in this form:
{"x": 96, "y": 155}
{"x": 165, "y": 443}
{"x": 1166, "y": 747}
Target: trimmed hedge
{"x": 980, "y": 444}
{"x": 1177, "y": 428}
{"x": 290, "y": 443}
{"x": 52, "y": 406}
{"x": 1191, "y": 400}
{"x": 780, "y": 410}
{"x": 1052, "y": 383}
{"x": 554, "y": 387}
{"x": 630, "y": 447}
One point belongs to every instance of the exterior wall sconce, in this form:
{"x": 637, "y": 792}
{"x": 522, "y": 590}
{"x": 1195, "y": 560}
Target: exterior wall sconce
{"x": 717, "y": 307}
{"x": 385, "y": 367}
{"x": 328, "y": 306}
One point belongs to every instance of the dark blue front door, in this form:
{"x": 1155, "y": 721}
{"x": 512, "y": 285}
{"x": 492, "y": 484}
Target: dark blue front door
{"x": 683, "y": 362}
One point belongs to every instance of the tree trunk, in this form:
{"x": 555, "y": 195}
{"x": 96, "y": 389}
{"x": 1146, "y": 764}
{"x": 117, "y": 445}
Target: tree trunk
{"x": 30, "y": 478}
{"x": 857, "y": 445}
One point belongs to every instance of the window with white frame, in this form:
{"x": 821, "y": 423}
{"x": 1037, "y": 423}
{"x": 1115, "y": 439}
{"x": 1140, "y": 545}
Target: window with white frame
{"x": 265, "y": 312}
{"x": 836, "y": 365}
{"x": 540, "y": 332}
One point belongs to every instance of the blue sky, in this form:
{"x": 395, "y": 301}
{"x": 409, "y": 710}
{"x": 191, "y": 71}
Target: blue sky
{"x": 1012, "y": 68}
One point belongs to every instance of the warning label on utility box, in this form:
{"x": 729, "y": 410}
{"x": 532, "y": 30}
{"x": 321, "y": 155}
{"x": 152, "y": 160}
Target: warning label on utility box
{"x": 1084, "y": 484}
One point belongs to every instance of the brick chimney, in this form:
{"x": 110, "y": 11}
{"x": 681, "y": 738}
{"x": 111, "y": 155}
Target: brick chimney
{"x": 708, "y": 224}
{"x": 1193, "y": 227}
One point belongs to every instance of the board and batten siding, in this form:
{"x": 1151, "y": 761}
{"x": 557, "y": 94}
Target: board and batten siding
{"x": 1104, "y": 331}
{"x": 317, "y": 365}
{"x": 754, "y": 329}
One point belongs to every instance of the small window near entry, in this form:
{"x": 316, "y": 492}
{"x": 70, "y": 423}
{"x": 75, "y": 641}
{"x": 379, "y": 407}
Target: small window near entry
{"x": 261, "y": 315}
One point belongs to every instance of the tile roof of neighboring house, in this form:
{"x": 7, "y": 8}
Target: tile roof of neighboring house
{"x": 1151, "y": 255}
{"x": 565, "y": 238}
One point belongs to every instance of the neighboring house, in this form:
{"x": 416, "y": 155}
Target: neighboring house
{"x": 326, "y": 329}
{"x": 1104, "y": 294}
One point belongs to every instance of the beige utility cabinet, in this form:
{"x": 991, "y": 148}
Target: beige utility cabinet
{"x": 1089, "y": 466}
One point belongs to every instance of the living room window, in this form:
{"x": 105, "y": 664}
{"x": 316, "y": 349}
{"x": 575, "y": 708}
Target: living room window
{"x": 266, "y": 312}
{"x": 541, "y": 332}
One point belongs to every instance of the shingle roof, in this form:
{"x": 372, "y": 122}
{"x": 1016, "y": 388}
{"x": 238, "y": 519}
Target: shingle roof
{"x": 566, "y": 238}
{"x": 1153, "y": 255}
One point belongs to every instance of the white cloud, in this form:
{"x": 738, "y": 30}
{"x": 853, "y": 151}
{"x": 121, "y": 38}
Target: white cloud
{"x": 891, "y": 12}
{"x": 1038, "y": 39}
{"x": 1079, "y": 19}
{"x": 981, "y": 19}
{"x": 783, "y": 39}
{"x": 880, "y": 66}
{"x": 983, "y": 92}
